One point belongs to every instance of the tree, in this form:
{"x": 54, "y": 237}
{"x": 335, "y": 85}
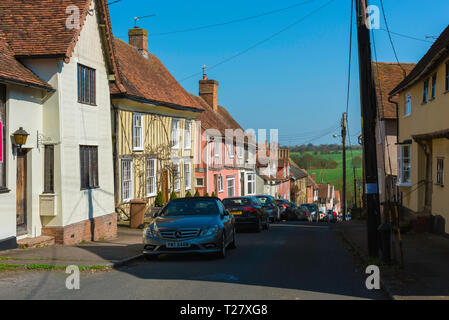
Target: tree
{"x": 357, "y": 161}
{"x": 197, "y": 194}
{"x": 188, "y": 194}
{"x": 173, "y": 196}
{"x": 214, "y": 195}
{"x": 159, "y": 202}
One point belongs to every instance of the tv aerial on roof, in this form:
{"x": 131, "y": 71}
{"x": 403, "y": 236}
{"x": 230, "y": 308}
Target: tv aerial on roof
{"x": 143, "y": 17}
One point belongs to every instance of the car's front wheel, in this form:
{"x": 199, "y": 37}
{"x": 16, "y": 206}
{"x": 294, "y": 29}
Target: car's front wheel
{"x": 222, "y": 252}
{"x": 233, "y": 244}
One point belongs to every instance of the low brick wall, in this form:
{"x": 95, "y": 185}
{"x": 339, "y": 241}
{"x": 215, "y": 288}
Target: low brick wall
{"x": 104, "y": 227}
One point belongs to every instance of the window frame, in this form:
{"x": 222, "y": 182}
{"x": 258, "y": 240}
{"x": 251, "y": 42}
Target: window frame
{"x": 220, "y": 184}
{"x": 139, "y": 147}
{"x": 228, "y": 185}
{"x": 148, "y": 177}
{"x": 425, "y": 98}
{"x": 187, "y": 135}
{"x": 177, "y": 178}
{"x": 130, "y": 180}
{"x": 231, "y": 149}
{"x": 217, "y": 147}
{"x": 188, "y": 177}
{"x": 433, "y": 88}
{"x": 196, "y": 182}
{"x": 3, "y": 164}
{"x": 440, "y": 172}
{"x": 408, "y": 105}
{"x": 174, "y": 133}
{"x": 447, "y": 76}
{"x": 91, "y": 176}
{"x": 401, "y": 181}
{"x": 252, "y": 182}
{"x": 49, "y": 169}
{"x": 86, "y": 85}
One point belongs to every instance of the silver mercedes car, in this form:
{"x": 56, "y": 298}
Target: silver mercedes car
{"x": 190, "y": 225}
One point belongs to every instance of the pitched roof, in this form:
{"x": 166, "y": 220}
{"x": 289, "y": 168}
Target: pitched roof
{"x": 437, "y": 52}
{"x": 39, "y": 27}
{"x": 209, "y": 119}
{"x": 386, "y": 77}
{"x": 297, "y": 172}
{"x": 229, "y": 120}
{"x": 12, "y": 70}
{"x": 149, "y": 80}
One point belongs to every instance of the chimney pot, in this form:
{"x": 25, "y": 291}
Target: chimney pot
{"x": 138, "y": 38}
{"x": 209, "y": 92}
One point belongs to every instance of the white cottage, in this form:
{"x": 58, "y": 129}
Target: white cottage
{"x": 56, "y": 63}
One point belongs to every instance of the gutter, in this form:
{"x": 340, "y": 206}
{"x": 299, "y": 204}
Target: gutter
{"x": 27, "y": 84}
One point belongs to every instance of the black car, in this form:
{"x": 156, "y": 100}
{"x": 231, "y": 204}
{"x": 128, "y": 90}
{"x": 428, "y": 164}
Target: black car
{"x": 284, "y": 208}
{"x": 296, "y": 213}
{"x": 268, "y": 202}
{"x": 248, "y": 211}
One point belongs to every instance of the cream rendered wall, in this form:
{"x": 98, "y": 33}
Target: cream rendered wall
{"x": 85, "y": 125}
{"x": 424, "y": 118}
{"x": 440, "y": 194}
{"x": 23, "y": 109}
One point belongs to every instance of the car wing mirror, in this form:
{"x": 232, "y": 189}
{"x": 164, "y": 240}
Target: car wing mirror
{"x": 227, "y": 212}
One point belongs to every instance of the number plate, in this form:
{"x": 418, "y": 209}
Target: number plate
{"x": 177, "y": 245}
{"x": 237, "y": 213}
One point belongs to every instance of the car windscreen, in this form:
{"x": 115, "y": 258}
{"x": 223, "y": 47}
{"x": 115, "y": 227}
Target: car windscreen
{"x": 281, "y": 202}
{"x": 236, "y": 202}
{"x": 199, "y": 207}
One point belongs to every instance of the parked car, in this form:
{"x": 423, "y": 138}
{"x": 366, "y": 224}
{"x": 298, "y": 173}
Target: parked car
{"x": 331, "y": 216}
{"x": 248, "y": 211}
{"x": 196, "y": 225}
{"x": 311, "y": 209}
{"x": 296, "y": 213}
{"x": 284, "y": 208}
{"x": 268, "y": 202}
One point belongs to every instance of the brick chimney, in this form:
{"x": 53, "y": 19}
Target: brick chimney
{"x": 209, "y": 92}
{"x": 139, "y": 38}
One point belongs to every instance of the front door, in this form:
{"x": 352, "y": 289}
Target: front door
{"x": 21, "y": 193}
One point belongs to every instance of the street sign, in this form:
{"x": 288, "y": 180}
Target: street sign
{"x": 1, "y": 142}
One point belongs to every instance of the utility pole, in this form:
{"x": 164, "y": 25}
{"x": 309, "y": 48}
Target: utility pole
{"x": 368, "y": 101}
{"x": 354, "y": 169}
{"x": 343, "y": 137}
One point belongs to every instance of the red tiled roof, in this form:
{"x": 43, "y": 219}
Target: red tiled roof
{"x": 209, "y": 119}
{"x": 12, "y": 70}
{"x": 38, "y": 27}
{"x": 148, "y": 79}
{"x": 230, "y": 121}
{"x": 387, "y": 76}
{"x": 437, "y": 53}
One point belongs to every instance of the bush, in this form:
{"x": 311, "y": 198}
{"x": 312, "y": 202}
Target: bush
{"x": 207, "y": 194}
{"x": 173, "y": 196}
{"x": 213, "y": 195}
{"x": 188, "y": 194}
{"x": 197, "y": 194}
{"x": 159, "y": 202}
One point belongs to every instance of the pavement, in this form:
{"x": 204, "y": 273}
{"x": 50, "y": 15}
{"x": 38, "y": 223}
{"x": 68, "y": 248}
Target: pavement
{"x": 107, "y": 253}
{"x": 291, "y": 261}
{"x": 425, "y": 273}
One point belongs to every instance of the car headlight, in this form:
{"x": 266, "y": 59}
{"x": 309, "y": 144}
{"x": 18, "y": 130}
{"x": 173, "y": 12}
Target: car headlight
{"x": 152, "y": 231}
{"x": 210, "y": 231}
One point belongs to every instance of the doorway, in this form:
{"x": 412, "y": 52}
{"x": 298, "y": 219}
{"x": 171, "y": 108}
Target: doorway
{"x": 21, "y": 193}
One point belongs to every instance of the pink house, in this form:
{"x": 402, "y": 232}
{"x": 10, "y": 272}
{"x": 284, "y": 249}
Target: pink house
{"x": 216, "y": 169}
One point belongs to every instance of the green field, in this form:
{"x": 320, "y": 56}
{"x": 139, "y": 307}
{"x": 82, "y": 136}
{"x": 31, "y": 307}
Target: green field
{"x": 335, "y": 176}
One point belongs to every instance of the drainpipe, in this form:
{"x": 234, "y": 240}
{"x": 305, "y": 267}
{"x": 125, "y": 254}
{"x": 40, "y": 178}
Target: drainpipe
{"x": 115, "y": 154}
{"x": 397, "y": 117}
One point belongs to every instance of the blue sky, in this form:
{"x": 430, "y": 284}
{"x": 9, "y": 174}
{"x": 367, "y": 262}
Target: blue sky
{"x": 295, "y": 82}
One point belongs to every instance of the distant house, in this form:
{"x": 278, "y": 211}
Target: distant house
{"x": 54, "y": 84}
{"x": 423, "y": 141}
{"x": 154, "y": 120}
{"x": 217, "y": 162}
{"x": 337, "y": 201}
{"x": 275, "y": 174}
{"x": 387, "y": 76}
{"x": 326, "y": 195}
{"x": 298, "y": 184}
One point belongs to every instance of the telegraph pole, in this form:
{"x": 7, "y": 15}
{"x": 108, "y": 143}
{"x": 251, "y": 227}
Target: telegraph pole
{"x": 343, "y": 137}
{"x": 368, "y": 101}
{"x": 354, "y": 169}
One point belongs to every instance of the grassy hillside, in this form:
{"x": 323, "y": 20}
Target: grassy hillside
{"x": 335, "y": 176}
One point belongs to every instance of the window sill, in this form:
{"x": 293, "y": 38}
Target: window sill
{"x": 4, "y": 190}
{"x": 423, "y": 103}
{"x": 439, "y": 185}
{"x": 431, "y": 99}
{"x": 187, "y": 148}
{"x": 404, "y": 184}
{"x": 88, "y": 104}
{"x": 151, "y": 195}
{"x": 406, "y": 115}
{"x": 91, "y": 188}
{"x": 188, "y": 189}
{"x": 138, "y": 150}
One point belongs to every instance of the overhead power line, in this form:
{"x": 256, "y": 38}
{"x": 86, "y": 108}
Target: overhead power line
{"x": 235, "y": 20}
{"x": 263, "y": 41}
